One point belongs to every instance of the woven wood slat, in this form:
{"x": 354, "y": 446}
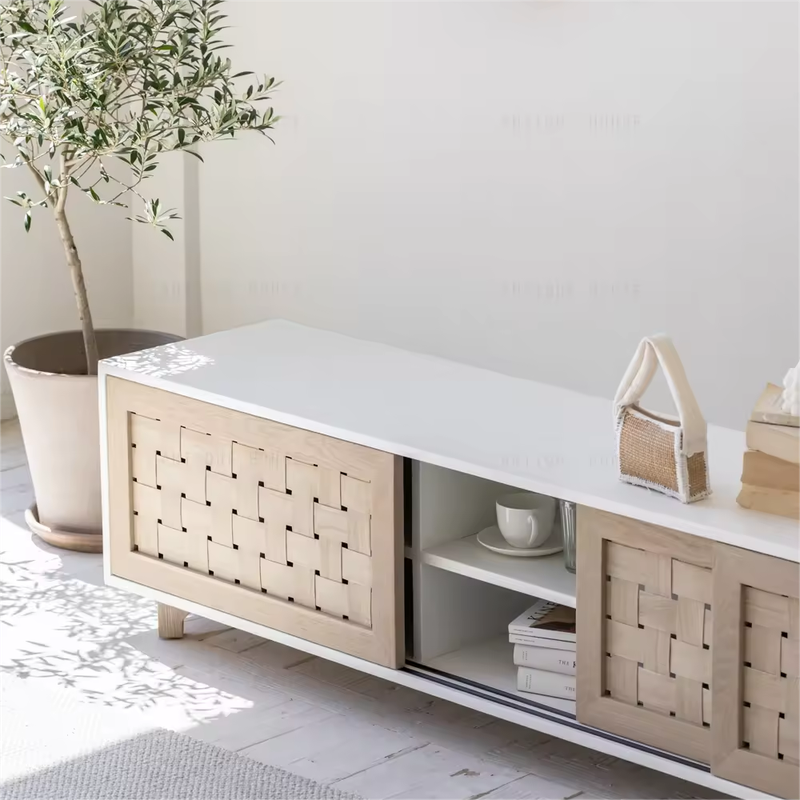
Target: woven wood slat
{"x": 143, "y": 466}
{"x": 656, "y": 691}
{"x": 155, "y": 435}
{"x": 302, "y": 551}
{"x": 276, "y": 509}
{"x": 267, "y": 521}
{"x": 249, "y": 536}
{"x": 145, "y": 536}
{"x": 254, "y": 466}
{"x": 770, "y": 675}
{"x": 202, "y": 450}
{"x": 690, "y": 618}
{"x": 622, "y": 678}
{"x": 689, "y": 700}
{"x": 790, "y": 656}
{"x": 657, "y": 651}
{"x": 622, "y": 598}
{"x": 181, "y": 547}
{"x": 356, "y": 495}
{"x": 707, "y": 705}
{"x": 289, "y": 582}
{"x": 655, "y": 612}
{"x": 789, "y": 737}
{"x": 761, "y": 731}
{"x": 691, "y": 582}
{"x": 358, "y": 598}
{"x": 708, "y": 627}
{"x": 658, "y": 632}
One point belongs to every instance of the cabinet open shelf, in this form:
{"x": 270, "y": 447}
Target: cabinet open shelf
{"x": 490, "y": 663}
{"x": 544, "y": 577}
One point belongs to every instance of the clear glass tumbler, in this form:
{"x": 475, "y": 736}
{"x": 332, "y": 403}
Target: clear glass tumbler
{"x": 568, "y": 528}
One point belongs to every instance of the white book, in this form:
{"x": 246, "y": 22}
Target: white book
{"x": 537, "y": 641}
{"x": 552, "y": 684}
{"x": 547, "y": 620}
{"x": 546, "y": 658}
{"x": 559, "y": 703}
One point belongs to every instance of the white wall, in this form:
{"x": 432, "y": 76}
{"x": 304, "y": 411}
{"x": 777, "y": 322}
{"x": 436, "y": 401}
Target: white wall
{"x": 526, "y": 186}
{"x": 35, "y": 288}
{"x": 166, "y": 274}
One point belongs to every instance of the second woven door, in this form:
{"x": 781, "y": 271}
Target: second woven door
{"x": 645, "y": 616}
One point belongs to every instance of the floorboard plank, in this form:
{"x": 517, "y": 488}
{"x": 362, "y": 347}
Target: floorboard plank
{"x": 333, "y": 749}
{"x": 235, "y": 641}
{"x": 430, "y": 772}
{"x": 532, "y": 787}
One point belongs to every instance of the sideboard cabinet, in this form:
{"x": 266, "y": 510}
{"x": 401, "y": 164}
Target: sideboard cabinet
{"x": 326, "y": 493}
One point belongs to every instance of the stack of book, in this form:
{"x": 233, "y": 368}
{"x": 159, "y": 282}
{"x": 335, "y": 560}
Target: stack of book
{"x": 544, "y": 650}
{"x": 771, "y": 470}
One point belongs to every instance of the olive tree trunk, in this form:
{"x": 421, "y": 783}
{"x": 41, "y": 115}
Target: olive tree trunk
{"x": 78, "y": 284}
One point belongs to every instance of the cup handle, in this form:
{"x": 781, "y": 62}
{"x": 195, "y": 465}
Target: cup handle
{"x": 532, "y": 526}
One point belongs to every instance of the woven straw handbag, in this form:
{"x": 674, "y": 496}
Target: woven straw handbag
{"x": 659, "y": 451}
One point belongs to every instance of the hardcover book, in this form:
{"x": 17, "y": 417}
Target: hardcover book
{"x": 779, "y": 441}
{"x": 760, "y": 469}
{"x": 545, "y": 658}
{"x": 546, "y": 620}
{"x": 770, "y": 501}
{"x": 538, "y": 641}
{"x": 538, "y": 681}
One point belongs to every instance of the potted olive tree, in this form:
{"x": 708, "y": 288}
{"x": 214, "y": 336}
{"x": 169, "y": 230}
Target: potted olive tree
{"x": 88, "y": 105}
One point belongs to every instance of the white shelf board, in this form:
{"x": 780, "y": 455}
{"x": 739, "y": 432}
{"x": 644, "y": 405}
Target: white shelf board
{"x": 516, "y": 432}
{"x": 543, "y": 577}
{"x": 490, "y": 663}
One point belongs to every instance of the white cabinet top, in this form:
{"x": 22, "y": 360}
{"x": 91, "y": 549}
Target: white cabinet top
{"x": 526, "y": 434}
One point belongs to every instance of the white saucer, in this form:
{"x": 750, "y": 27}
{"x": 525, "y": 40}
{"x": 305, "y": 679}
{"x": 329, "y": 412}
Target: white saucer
{"x": 493, "y": 540}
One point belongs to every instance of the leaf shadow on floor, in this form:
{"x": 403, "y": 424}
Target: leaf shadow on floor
{"x": 66, "y": 630}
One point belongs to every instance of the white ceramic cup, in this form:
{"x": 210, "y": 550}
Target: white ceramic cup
{"x": 526, "y": 519}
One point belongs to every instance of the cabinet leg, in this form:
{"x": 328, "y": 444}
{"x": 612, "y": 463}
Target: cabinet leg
{"x": 170, "y": 622}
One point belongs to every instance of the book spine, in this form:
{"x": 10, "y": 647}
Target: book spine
{"x": 545, "y": 658}
{"x": 552, "y": 684}
{"x": 774, "y": 440}
{"x": 535, "y": 641}
{"x": 556, "y": 636}
{"x": 760, "y": 469}
{"x": 770, "y": 501}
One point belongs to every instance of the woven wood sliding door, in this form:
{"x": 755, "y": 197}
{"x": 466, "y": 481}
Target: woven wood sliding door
{"x": 278, "y": 525}
{"x": 756, "y": 671}
{"x": 644, "y": 622}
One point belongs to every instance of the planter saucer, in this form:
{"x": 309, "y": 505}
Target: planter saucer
{"x": 67, "y": 540}
{"x": 493, "y": 540}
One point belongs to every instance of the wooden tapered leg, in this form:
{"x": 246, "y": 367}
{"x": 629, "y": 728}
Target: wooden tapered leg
{"x": 170, "y": 622}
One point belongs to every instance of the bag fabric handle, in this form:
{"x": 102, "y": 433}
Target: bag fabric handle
{"x": 654, "y": 351}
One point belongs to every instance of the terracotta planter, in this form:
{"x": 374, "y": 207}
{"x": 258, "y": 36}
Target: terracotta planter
{"x": 57, "y": 407}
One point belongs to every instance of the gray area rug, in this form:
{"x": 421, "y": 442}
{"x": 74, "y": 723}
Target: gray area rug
{"x": 163, "y": 765}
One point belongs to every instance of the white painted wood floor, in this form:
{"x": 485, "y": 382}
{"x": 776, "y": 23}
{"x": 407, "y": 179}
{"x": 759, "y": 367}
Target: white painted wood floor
{"x": 82, "y": 667}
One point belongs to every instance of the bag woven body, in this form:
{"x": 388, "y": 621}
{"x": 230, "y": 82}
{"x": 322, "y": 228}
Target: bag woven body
{"x": 659, "y": 451}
